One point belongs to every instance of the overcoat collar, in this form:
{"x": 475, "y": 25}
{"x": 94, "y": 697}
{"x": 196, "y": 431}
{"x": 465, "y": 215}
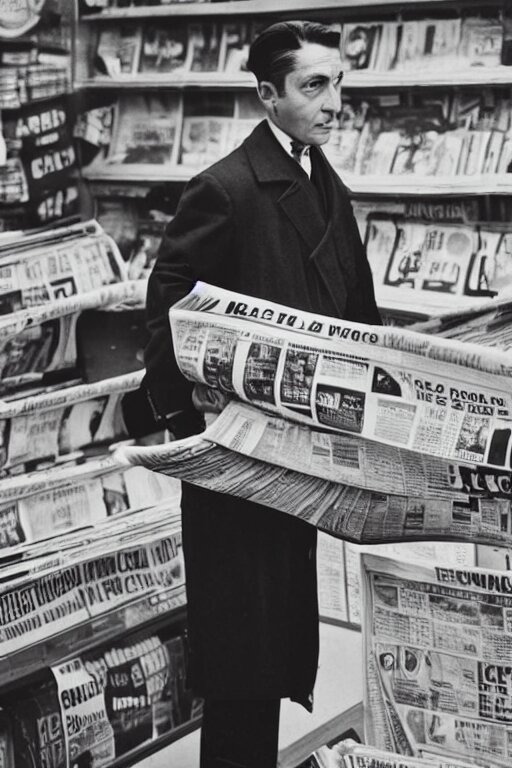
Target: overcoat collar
{"x": 271, "y": 164}
{"x": 299, "y": 202}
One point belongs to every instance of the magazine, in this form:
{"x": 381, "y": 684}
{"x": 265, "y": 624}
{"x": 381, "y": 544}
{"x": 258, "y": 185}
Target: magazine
{"x": 234, "y": 47}
{"x": 118, "y": 51}
{"x": 164, "y": 49}
{"x": 204, "y": 47}
{"x": 145, "y": 130}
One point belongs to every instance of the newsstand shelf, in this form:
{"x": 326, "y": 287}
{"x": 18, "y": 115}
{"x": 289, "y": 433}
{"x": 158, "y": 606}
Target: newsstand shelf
{"x": 35, "y": 658}
{"x": 260, "y": 7}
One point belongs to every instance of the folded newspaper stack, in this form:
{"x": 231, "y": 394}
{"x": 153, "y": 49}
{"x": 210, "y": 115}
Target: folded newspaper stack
{"x": 370, "y": 433}
{"x": 46, "y": 280}
{"x": 349, "y": 754}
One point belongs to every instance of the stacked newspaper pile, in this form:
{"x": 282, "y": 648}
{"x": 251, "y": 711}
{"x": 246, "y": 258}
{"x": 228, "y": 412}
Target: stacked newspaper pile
{"x": 46, "y": 280}
{"x": 373, "y": 434}
{"x": 349, "y": 754}
{"x": 57, "y": 475}
{"x": 129, "y": 560}
{"x": 488, "y": 324}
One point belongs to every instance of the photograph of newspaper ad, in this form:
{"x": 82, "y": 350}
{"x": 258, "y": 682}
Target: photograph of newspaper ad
{"x": 88, "y": 734}
{"x": 438, "y": 650}
{"x": 377, "y": 382}
{"x": 342, "y": 510}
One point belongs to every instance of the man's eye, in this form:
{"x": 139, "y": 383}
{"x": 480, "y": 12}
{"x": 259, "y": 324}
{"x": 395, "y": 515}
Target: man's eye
{"x": 313, "y": 84}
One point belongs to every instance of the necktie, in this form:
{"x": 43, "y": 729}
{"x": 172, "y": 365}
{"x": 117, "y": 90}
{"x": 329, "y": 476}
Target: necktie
{"x": 297, "y": 148}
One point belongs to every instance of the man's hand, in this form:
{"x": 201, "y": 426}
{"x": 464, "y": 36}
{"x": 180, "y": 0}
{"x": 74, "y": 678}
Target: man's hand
{"x": 209, "y": 400}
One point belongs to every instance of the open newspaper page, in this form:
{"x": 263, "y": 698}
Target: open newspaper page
{"x": 432, "y": 396}
{"x": 438, "y": 657}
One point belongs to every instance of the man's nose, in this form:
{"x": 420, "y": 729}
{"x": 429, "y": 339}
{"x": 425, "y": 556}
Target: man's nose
{"x": 332, "y": 102}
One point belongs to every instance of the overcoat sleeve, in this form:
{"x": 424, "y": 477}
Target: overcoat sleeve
{"x": 195, "y": 246}
{"x": 361, "y": 305}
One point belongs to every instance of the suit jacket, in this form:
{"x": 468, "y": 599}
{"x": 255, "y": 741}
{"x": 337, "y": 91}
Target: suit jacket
{"x": 253, "y": 223}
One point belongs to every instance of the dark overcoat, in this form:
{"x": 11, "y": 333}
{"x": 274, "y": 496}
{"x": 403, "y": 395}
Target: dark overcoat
{"x": 253, "y": 223}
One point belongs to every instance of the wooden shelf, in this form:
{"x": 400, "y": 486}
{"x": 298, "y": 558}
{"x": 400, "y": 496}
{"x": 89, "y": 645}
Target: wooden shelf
{"x": 157, "y": 82}
{"x": 430, "y": 186}
{"x": 77, "y": 639}
{"x": 476, "y": 76}
{"x": 260, "y": 7}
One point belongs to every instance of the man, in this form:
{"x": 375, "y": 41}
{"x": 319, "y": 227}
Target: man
{"x": 272, "y": 220}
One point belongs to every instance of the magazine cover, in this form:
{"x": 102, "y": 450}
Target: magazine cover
{"x": 481, "y": 41}
{"x": 118, "y": 50}
{"x": 359, "y": 45}
{"x": 145, "y": 130}
{"x": 235, "y": 46}
{"x": 204, "y": 140}
{"x": 204, "y": 47}
{"x": 164, "y": 49}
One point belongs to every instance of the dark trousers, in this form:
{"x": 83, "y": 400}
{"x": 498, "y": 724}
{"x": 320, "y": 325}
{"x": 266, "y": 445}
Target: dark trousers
{"x": 240, "y": 734}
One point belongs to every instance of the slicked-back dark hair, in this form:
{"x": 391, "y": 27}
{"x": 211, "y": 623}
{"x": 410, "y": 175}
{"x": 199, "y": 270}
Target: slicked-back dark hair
{"x": 272, "y": 53}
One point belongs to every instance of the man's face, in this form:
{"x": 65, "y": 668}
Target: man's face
{"x": 307, "y": 108}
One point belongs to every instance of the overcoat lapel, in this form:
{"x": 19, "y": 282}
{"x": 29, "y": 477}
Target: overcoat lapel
{"x": 299, "y": 202}
{"x": 292, "y": 187}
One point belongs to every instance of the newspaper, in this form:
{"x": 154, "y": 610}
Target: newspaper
{"x": 79, "y": 502}
{"x": 45, "y": 426}
{"x": 437, "y": 397}
{"x": 489, "y": 325}
{"x": 339, "y": 569}
{"x": 88, "y": 734}
{"x": 342, "y": 510}
{"x": 58, "y": 592}
{"x": 438, "y": 652}
{"x": 43, "y": 480}
{"x": 349, "y": 754}
{"x": 351, "y": 459}
{"x": 128, "y": 291}
{"x": 46, "y": 268}
{"x": 70, "y": 395}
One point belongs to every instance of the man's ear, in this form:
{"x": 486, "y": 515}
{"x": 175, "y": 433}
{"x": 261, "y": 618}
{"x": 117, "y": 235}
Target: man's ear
{"x": 268, "y": 94}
